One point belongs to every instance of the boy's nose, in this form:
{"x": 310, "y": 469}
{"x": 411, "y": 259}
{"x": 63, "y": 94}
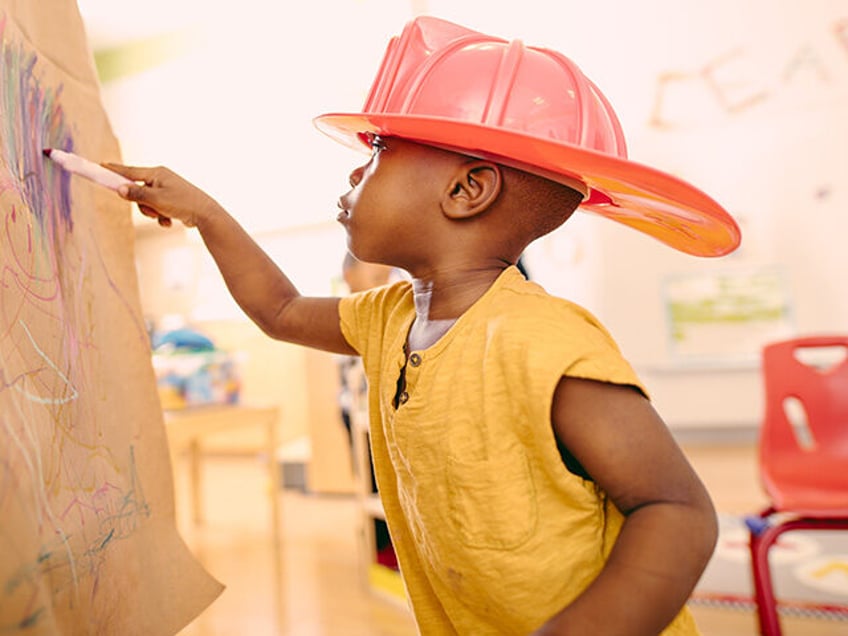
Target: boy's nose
{"x": 356, "y": 176}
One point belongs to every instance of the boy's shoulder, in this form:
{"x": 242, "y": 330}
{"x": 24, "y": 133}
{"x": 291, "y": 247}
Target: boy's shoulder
{"x": 542, "y": 336}
{"x": 527, "y": 301}
{"x": 390, "y": 303}
{"x": 519, "y": 319}
{"x": 385, "y": 296}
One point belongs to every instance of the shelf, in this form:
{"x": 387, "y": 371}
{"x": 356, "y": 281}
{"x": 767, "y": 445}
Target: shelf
{"x": 376, "y": 551}
{"x": 374, "y": 507}
{"x": 387, "y": 583}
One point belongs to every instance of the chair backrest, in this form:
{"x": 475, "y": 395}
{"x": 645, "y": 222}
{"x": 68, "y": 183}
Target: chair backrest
{"x": 804, "y": 432}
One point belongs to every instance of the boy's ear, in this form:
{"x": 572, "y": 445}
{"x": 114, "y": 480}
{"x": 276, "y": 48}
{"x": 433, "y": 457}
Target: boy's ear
{"x": 474, "y": 188}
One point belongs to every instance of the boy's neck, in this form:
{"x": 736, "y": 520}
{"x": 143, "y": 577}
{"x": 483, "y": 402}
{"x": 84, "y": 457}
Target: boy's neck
{"x": 446, "y": 295}
{"x": 425, "y": 332}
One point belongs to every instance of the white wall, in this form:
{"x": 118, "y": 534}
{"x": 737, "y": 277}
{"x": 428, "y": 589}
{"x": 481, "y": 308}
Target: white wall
{"x": 233, "y": 112}
{"x": 747, "y": 100}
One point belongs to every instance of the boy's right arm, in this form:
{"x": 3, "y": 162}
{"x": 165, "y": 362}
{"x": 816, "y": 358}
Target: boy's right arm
{"x": 265, "y": 294}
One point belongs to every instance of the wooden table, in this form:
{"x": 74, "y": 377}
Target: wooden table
{"x": 187, "y": 427}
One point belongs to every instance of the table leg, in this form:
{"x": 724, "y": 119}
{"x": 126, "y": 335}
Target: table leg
{"x": 274, "y": 479}
{"x": 196, "y": 478}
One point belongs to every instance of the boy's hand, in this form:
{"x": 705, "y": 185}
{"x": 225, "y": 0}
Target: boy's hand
{"x": 164, "y": 195}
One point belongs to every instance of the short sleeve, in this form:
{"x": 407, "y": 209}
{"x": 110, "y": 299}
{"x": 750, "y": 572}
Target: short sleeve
{"x": 363, "y": 316}
{"x": 570, "y": 342}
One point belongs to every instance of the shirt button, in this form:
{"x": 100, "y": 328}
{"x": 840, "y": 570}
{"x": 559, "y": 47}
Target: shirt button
{"x": 415, "y": 359}
{"x": 403, "y": 398}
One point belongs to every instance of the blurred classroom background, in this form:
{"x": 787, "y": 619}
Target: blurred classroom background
{"x": 745, "y": 100}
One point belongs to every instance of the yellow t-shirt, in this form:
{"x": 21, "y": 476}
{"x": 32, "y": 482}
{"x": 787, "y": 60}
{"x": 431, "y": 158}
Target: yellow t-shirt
{"x": 492, "y": 533}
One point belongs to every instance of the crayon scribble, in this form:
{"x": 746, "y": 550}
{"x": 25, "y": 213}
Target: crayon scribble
{"x": 67, "y": 495}
{"x": 33, "y": 119}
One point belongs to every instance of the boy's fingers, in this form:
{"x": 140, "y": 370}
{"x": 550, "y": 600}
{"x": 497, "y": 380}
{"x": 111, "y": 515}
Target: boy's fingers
{"x": 164, "y": 221}
{"x": 134, "y": 192}
{"x": 147, "y": 211}
{"x": 147, "y": 194}
{"x": 130, "y": 172}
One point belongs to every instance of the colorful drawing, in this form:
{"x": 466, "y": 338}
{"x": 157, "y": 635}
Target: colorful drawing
{"x": 87, "y": 537}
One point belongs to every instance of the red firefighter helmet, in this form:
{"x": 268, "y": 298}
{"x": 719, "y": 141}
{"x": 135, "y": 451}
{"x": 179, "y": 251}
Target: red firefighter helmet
{"x": 531, "y": 108}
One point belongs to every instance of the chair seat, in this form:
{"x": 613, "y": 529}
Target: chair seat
{"x": 804, "y": 497}
{"x": 798, "y": 492}
{"x": 808, "y": 503}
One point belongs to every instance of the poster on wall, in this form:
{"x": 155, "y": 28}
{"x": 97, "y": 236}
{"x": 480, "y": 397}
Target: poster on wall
{"x": 88, "y": 540}
{"x": 726, "y": 317}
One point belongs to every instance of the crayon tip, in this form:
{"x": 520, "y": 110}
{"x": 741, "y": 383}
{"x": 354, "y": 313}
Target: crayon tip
{"x": 46, "y": 151}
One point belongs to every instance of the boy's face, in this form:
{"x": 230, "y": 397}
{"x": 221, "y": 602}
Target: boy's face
{"x": 394, "y": 201}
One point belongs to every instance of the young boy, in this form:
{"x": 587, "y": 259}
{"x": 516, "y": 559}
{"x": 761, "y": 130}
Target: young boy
{"x": 528, "y": 483}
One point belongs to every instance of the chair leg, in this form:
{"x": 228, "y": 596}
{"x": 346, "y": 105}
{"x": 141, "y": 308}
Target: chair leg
{"x": 762, "y": 537}
{"x": 767, "y": 617}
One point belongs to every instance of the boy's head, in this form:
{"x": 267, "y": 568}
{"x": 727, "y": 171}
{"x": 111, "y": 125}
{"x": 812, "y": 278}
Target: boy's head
{"x": 534, "y": 114}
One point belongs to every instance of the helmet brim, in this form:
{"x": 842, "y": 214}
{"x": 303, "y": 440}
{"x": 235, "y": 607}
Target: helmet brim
{"x": 643, "y": 198}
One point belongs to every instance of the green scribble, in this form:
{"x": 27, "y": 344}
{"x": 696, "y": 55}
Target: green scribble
{"x": 32, "y": 619}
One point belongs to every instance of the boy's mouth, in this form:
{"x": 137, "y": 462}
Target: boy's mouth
{"x": 343, "y": 214}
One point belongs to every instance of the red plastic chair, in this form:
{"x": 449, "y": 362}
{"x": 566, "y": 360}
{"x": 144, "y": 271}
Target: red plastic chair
{"x": 803, "y": 456}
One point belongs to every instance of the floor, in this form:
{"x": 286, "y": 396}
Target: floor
{"x": 313, "y": 587}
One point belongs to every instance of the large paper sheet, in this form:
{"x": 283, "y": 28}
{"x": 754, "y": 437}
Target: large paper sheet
{"x": 88, "y": 541}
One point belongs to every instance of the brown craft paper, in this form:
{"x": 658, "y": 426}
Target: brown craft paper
{"x": 88, "y": 541}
